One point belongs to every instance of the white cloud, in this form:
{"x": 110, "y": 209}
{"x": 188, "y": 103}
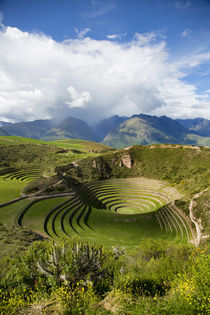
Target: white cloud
{"x": 182, "y": 4}
{"x": 186, "y": 32}
{"x": 116, "y": 36}
{"x": 92, "y": 79}
{"x": 81, "y": 33}
{"x": 78, "y": 99}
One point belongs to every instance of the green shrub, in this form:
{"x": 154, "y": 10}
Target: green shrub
{"x": 193, "y": 288}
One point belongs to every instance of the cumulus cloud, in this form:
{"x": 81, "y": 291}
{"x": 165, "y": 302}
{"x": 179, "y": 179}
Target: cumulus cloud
{"x": 92, "y": 79}
{"x": 78, "y": 99}
{"x": 81, "y": 33}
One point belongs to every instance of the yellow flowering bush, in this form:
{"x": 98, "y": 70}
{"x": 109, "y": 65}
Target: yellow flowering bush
{"x": 193, "y": 288}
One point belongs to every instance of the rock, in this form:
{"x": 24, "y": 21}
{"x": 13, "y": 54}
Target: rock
{"x": 126, "y": 160}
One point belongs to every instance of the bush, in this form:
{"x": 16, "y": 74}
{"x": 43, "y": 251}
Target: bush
{"x": 193, "y": 288}
{"x": 66, "y": 262}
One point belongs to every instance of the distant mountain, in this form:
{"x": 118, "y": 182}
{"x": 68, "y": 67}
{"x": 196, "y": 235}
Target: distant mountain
{"x": 165, "y": 124}
{"x": 145, "y": 129}
{"x": 4, "y": 123}
{"x": 117, "y": 131}
{"x": 199, "y": 126}
{"x": 136, "y": 130}
{"x": 3, "y": 133}
{"x": 71, "y": 128}
{"x": 106, "y": 125}
{"x": 31, "y": 129}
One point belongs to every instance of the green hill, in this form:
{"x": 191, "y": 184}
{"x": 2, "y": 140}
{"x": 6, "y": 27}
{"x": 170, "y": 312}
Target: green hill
{"x": 136, "y": 131}
{"x": 31, "y": 129}
{"x": 70, "y": 128}
{"x": 145, "y": 129}
{"x": 199, "y": 126}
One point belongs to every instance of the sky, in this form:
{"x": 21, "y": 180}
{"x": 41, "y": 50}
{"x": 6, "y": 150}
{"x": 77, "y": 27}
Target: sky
{"x": 92, "y": 59}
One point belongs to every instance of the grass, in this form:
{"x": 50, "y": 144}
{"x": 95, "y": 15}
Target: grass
{"x": 113, "y": 212}
{"x": 34, "y": 218}
{"x": 124, "y": 221}
{"x": 21, "y": 153}
{"x": 186, "y": 167}
{"x": 10, "y": 189}
{"x": 139, "y": 194}
{"x": 9, "y": 213}
{"x": 13, "y": 140}
{"x": 117, "y": 210}
{"x": 82, "y": 145}
{"x": 75, "y": 144}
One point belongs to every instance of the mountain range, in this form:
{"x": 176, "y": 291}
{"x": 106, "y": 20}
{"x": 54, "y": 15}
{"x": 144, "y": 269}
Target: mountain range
{"x": 116, "y": 131}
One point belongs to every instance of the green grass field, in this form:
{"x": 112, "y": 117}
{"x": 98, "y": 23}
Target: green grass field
{"x": 115, "y": 211}
{"x": 75, "y": 144}
{"x": 129, "y": 210}
{"x": 10, "y": 189}
{"x": 143, "y": 209}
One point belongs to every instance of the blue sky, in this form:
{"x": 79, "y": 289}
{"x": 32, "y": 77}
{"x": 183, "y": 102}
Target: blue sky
{"x": 95, "y": 58}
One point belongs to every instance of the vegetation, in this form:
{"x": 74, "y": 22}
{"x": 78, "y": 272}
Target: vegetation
{"x": 74, "y": 277}
{"x": 184, "y": 166}
{"x": 111, "y": 233}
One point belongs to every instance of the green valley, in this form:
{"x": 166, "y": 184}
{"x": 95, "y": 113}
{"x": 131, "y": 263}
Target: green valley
{"x": 96, "y": 205}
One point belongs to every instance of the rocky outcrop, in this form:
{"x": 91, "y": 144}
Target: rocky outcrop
{"x": 126, "y": 160}
{"x": 197, "y": 221}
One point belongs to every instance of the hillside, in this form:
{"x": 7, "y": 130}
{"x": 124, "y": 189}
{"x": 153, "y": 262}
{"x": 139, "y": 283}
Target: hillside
{"x": 185, "y": 166}
{"x": 70, "y": 128}
{"x": 145, "y": 129}
{"x": 21, "y": 152}
{"x": 3, "y": 132}
{"x": 107, "y": 125}
{"x": 117, "y": 132}
{"x": 136, "y": 131}
{"x": 32, "y": 129}
{"x": 4, "y": 123}
{"x": 199, "y": 126}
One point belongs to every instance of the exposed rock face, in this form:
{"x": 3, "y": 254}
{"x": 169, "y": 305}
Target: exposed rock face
{"x": 197, "y": 221}
{"x": 126, "y": 160}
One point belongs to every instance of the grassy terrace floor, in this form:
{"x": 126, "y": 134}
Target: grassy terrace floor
{"x": 110, "y": 212}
